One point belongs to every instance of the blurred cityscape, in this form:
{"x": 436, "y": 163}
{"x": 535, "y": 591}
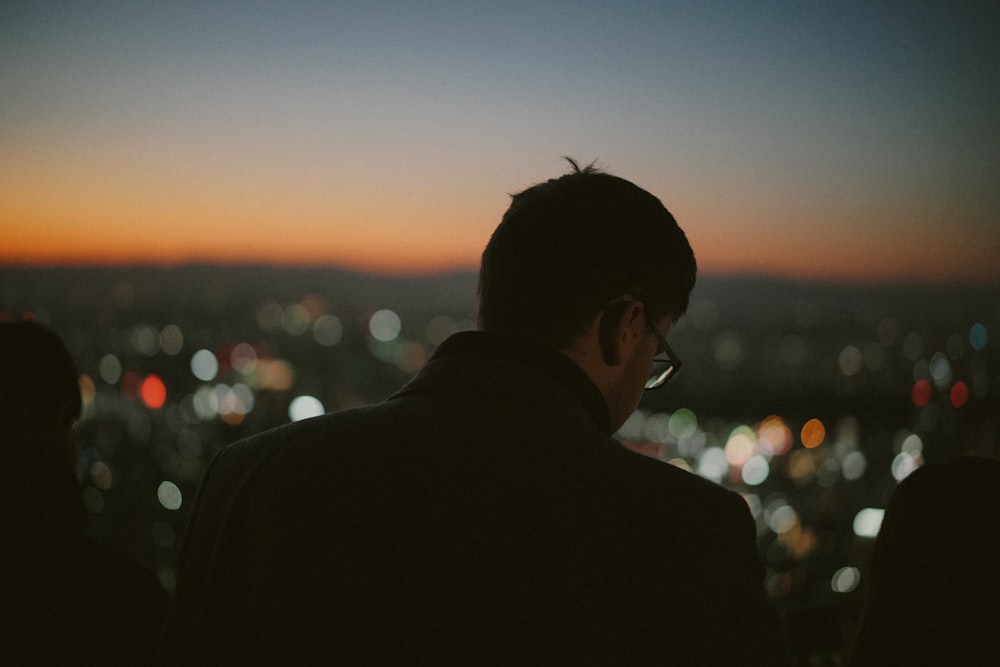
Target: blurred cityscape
{"x": 811, "y": 399}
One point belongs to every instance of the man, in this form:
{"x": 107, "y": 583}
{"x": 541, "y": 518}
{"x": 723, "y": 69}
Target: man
{"x": 484, "y": 514}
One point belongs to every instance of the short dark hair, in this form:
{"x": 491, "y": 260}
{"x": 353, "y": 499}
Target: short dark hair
{"x": 567, "y": 247}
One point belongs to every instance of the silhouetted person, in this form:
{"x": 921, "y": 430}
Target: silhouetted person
{"x": 64, "y": 598}
{"x": 934, "y": 585}
{"x": 484, "y": 514}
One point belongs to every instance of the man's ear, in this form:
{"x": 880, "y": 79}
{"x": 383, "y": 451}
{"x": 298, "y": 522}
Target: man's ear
{"x": 617, "y": 326}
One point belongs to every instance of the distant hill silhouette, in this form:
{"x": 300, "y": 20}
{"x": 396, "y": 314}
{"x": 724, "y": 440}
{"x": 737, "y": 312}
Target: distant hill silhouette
{"x": 747, "y": 298}
{"x": 758, "y": 316}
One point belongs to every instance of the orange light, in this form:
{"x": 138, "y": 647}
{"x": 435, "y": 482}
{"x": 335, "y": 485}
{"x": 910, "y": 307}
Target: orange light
{"x": 87, "y": 389}
{"x": 813, "y": 433}
{"x": 154, "y": 392}
{"x": 775, "y": 434}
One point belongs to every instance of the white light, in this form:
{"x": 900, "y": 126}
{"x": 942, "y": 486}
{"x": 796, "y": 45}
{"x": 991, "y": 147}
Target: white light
{"x": 204, "y": 365}
{"x": 904, "y": 464}
{"x": 940, "y": 369}
{"x": 845, "y": 580}
{"x": 169, "y": 495}
{"x": 756, "y": 470}
{"x": 782, "y": 519}
{"x": 657, "y": 428}
{"x": 912, "y": 445}
{"x": 868, "y": 522}
{"x": 205, "y": 402}
{"x": 633, "y": 426}
{"x": 304, "y": 407}
{"x": 712, "y": 464}
{"x": 385, "y": 325}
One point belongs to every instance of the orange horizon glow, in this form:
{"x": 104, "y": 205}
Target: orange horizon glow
{"x": 388, "y": 239}
{"x": 397, "y": 259}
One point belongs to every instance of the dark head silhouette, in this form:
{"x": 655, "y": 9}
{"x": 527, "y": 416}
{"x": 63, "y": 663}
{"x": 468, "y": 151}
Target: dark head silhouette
{"x": 934, "y": 585}
{"x": 568, "y": 246}
{"x": 39, "y": 402}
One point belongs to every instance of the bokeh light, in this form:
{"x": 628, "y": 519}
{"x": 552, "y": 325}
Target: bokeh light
{"x": 304, "y": 407}
{"x": 813, "y": 433}
{"x": 87, "y": 389}
{"x": 683, "y": 423}
{"x": 854, "y": 465}
{"x": 243, "y": 358}
{"x": 295, "y": 319}
{"x": 131, "y": 385}
{"x": 171, "y": 339}
{"x": 204, "y": 365}
{"x": 169, "y": 495}
{"x": 110, "y": 369}
{"x": 775, "y": 435}
{"x": 959, "y": 394}
{"x": 740, "y": 446}
{"x": 782, "y": 518}
{"x": 755, "y": 470}
{"x": 154, "y": 392}
{"x": 868, "y": 521}
{"x": 273, "y": 374}
{"x": 978, "y": 337}
{"x": 940, "y": 370}
{"x": 328, "y": 330}
{"x": 712, "y": 464}
{"x": 385, "y": 325}
{"x": 850, "y": 360}
{"x": 904, "y": 464}
{"x": 921, "y": 393}
{"x": 145, "y": 340}
{"x": 845, "y": 580}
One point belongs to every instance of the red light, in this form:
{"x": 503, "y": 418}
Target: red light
{"x": 154, "y": 392}
{"x": 959, "y": 394}
{"x": 921, "y": 393}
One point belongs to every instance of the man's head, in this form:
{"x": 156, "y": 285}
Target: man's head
{"x": 569, "y": 247}
{"x": 593, "y": 266}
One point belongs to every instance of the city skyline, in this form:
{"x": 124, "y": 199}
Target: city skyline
{"x": 830, "y": 142}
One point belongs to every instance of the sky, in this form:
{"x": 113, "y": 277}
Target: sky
{"x": 832, "y": 140}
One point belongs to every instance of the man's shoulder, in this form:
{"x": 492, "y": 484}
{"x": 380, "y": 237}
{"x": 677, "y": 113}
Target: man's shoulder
{"x": 299, "y": 440}
{"x": 650, "y": 473}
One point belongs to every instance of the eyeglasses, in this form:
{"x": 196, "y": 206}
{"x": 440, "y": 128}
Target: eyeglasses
{"x": 666, "y": 363}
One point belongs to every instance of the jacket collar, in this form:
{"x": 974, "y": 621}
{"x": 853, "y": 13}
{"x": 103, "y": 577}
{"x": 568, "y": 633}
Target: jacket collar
{"x": 493, "y": 364}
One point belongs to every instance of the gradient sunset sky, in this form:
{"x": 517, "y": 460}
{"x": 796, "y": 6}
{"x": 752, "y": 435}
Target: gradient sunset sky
{"x": 814, "y": 139}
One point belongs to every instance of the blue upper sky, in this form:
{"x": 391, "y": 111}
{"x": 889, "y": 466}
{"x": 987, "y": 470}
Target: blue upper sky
{"x": 805, "y": 137}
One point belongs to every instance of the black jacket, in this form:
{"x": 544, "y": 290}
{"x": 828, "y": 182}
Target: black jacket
{"x": 482, "y": 515}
